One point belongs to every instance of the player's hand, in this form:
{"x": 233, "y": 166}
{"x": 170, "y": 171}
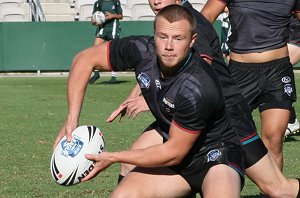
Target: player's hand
{"x": 131, "y": 107}
{"x": 66, "y": 130}
{"x": 109, "y": 15}
{"x": 136, "y": 105}
{"x": 120, "y": 110}
{"x": 102, "y": 162}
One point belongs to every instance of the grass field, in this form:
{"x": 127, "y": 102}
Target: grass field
{"x": 32, "y": 111}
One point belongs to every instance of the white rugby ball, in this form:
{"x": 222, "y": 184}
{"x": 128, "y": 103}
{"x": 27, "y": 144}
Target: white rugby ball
{"x": 68, "y": 164}
{"x": 99, "y": 17}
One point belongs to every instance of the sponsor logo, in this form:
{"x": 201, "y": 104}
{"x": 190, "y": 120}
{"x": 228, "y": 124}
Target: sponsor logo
{"x": 71, "y": 148}
{"x": 213, "y": 155}
{"x": 158, "y": 85}
{"x": 286, "y": 79}
{"x": 288, "y": 89}
{"x": 168, "y": 103}
{"x": 144, "y": 80}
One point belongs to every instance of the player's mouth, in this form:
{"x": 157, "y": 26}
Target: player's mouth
{"x": 156, "y": 11}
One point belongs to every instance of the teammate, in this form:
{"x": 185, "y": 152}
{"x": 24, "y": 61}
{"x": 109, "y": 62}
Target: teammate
{"x": 225, "y": 33}
{"x": 198, "y": 148}
{"x": 257, "y": 160}
{"x": 294, "y": 53}
{"x": 259, "y": 61}
{"x": 109, "y": 30}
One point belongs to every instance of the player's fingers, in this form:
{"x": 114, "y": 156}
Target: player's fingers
{"x": 115, "y": 113}
{"x": 123, "y": 113}
{"x": 93, "y": 173}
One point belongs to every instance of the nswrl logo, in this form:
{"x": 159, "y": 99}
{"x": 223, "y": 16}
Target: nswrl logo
{"x": 71, "y": 148}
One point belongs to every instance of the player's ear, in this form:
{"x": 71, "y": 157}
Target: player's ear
{"x": 194, "y": 37}
{"x": 178, "y": 2}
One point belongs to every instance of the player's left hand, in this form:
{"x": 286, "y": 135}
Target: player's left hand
{"x": 102, "y": 162}
{"x": 109, "y": 15}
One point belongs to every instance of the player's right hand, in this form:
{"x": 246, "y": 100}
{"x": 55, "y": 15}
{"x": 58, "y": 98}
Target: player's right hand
{"x": 66, "y": 130}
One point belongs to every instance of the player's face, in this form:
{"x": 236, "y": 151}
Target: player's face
{"x": 173, "y": 42}
{"x": 157, "y": 5}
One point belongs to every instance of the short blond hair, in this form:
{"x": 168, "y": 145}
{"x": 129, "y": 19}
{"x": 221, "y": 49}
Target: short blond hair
{"x": 174, "y": 13}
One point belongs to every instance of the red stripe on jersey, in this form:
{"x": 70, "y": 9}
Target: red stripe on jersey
{"x": 108, "y": 55}
{"x": 206, "y": 56}
{"x": 184, "y": 129}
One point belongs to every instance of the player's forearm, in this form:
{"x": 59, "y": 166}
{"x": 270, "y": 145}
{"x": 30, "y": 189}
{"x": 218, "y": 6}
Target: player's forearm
{"x": 136, "y": 91}
{"x": 118, "y": 16}
{"x": 155, "y": 156}
{"x": 77, "y": 83}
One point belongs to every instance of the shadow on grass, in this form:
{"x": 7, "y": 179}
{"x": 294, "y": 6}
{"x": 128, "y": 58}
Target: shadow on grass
{"x": 291, "y": 138}
{"x": 112, "y": 83}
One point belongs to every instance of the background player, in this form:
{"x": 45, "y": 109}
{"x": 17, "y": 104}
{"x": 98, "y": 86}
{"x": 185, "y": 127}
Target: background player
{"x": 294, "y": 53}
{"x": 109, "y": 30}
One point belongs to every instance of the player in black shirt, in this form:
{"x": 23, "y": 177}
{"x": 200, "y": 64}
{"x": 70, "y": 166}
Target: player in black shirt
{"x": 256, "y": 157}
{"x": 294, "y": 54}
{"x": 197, "y": 148}
{"x": 260, "y": 65}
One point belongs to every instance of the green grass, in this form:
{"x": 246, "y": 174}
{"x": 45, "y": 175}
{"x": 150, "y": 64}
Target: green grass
{"x": 32, "y": 110}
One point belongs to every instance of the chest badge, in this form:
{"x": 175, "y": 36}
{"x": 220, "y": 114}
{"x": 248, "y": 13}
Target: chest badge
{"x": 144, "y": 80}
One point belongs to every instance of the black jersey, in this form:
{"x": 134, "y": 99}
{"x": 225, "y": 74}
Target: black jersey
{"x": 192, "y": 99}
{"x": 208, "y": 45}
{"x": 259, "y": 25}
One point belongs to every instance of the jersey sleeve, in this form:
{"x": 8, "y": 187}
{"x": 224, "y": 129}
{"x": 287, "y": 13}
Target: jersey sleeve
{"x": 297, "y": 8}
{"x": 126, "y": 53}
{"x": 119, "y": 7}
{"x": 95, "y": 7}
{"x": 225, "y": 1}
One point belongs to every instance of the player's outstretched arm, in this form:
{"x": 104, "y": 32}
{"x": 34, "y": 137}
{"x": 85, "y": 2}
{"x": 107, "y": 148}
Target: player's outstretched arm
{"x": 82, "y": 67}
{"x": 169, "y": 153}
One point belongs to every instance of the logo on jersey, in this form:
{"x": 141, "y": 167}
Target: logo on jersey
{"x": 144, "y": 80}
{"x": 286, "y": 79}
{"x": 288, "y": 89}
{"x": 213, "y": 155}
{"x": 158, "y": 85}
{"x": 168, "y": 103}
{"x": 113, "y": 7}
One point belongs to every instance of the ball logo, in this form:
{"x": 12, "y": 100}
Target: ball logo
{"x": 213, "y": 155}
{"x": 71, "y": 148}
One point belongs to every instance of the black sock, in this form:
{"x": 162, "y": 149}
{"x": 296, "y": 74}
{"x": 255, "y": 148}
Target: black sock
{"x": 120, "y": 178}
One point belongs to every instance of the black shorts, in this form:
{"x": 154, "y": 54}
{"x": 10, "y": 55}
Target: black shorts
{"x": 262, "y": 83}
{"x": 252, "y": 145}
{"x": 199, "y": 164}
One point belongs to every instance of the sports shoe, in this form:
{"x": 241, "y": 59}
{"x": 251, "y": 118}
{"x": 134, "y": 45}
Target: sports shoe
{"x": 292, "y": 128}
{"x": 94, "y": 78}
{"x": 112, "y": 80}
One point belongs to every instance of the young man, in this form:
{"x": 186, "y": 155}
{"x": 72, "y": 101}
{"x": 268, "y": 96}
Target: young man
{"x": 257, "y": 159}
{"x": 259, "y": 61}
{"x": 198, "y": 148}
{"x": 109, "y": 30}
